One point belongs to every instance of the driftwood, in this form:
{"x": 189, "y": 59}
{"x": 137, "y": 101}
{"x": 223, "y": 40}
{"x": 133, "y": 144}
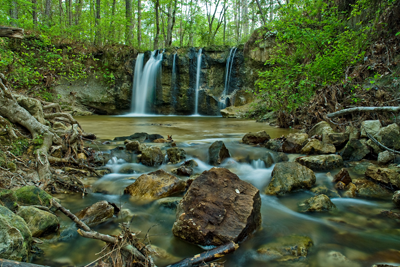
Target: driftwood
{"x": 9, "y": 263}
{"x": 207, "y": 256}
{"x": 362, "y": 109}
{"x": 85, "y": 231}
{"x": 11, "y": 32}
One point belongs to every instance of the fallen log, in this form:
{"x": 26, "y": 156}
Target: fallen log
{"x": 362, "y": 109}
{"x": 9, "y": 263}
{"x": 11, "y": 32}
{"x": 207, "y": 256}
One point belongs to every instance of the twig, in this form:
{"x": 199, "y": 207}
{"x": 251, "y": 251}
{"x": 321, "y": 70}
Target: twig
{"x": 378, "y": 143}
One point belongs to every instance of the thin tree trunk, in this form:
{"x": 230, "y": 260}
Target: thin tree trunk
{"x": 271, "y": 13}
{"x": 97, "y": 23}
{"x": 78, "y": 12}
{"x": 139, "y": 23}
{"x": 157, "y": 25}
{"x": 224, "y": 25}
{"x": 129, "y": 23}
{"x": 61, "y": 12}
{"x": 14, "y": 13}
{"x": 34, "y": 12}
{"x": 171, "y": 22}
{"x": 112, "y": 27}
{"x": 47, "y": 12}
{"x": 245, "y": 17}
{"x": 261, "y": 12}
{"x": 70, "y": 12}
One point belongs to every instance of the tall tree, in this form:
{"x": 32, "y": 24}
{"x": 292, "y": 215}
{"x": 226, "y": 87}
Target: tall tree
{"x": 14, "y": 13}
{"x": 157, "y": 7}
{"x": 34, "y": 12}
{"x": 70, "y": 12}
{"x": 129, "y": 23}
{"x": 78, "y": 11}
{"x": 139, "y": 27}
{"x": 97, "y": 23}
{"x": 245, "y": 17}
{"x": 47, "y": 12}
{"x": 61, "y": 13}
{"x": 112, "y": 26}
{"x": 212, "y": 8}
{"x": 171, "y": 21}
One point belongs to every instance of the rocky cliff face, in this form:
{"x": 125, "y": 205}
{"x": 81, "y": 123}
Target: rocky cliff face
{"x": 172, "y": 96}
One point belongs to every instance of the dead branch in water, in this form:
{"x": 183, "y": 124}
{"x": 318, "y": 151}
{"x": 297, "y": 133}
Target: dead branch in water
{"x": 207, "y": 256}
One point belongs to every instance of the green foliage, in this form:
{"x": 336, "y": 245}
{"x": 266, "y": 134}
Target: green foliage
{"x": 314, "y": 46}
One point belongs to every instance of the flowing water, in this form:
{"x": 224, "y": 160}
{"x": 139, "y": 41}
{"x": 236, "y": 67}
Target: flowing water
{"x": 145, "y": 82}
{"x": 355, "y": 229}
{"x": 136, "y": 80}
{"x": 196, "y": 104}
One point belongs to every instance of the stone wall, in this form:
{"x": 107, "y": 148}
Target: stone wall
{"x": 178, "y": 98}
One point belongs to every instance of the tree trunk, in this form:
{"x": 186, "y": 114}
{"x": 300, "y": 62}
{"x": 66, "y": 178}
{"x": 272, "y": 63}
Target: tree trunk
{"x": 97, "y": 24}
{"x": 129, "y": 23}
{"x": 61, "y": 12}
{"x": 34, "y": 12}
{"x": 171, "y": 22}
{"x": 47, "y": 11}
{"x": 70, "y": 12}
{"x": 362, "y": 109}
{"x": 14, "y": 13}
{"x": 157, "y": 25}
{"x": 261, "y": 12}
{"x": 112, "y": 27}
{"x": 224, "y": 25}
{"x": 139, "y": 26}
{"x": 11, "y": 263}
{"x": 78, "y": 12}
{"x": 245, "y": 17}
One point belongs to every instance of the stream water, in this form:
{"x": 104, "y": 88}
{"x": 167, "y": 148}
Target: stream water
{"x": 354, "y": 229}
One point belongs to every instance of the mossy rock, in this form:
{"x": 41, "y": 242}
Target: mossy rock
{"x": 8, "y": 199}
{"x": 32, "y": 195}
{"x": 40, "y": 222}
{"x": 15, "y": 236}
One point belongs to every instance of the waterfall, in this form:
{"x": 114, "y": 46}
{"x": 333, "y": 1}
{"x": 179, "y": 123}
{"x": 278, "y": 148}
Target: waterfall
{"x": 136, "y": 78}
{"x": 173, "y": 83}
{"x": 228, "y": 72}
{"x": 196, "y": 106}
{"x": 146, "y": 86}
{"x": 258, "y": 164}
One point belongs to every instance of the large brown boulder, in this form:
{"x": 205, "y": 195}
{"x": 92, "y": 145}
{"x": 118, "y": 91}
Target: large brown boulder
{"x": 98, "y": 213}
{"x": 256, "y": 138}
{"x": 321, "y": 162}
{"x": 218, "y": 208}
{"x": 321, "y": 128}
{"x": 156, "y": 185}
{"x": 385, "y": 176}
{"x": 294, "y": 142}
{"x": 217, "y": 152}
{"x": 289, "y": 176}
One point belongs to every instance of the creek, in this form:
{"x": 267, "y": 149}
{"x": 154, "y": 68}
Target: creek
{"x": 354, "y": 229}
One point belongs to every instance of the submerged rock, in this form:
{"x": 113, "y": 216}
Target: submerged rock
{"x": 256, "y": 138}
{"x": 274, "y": 144}
{"x": 294, "y": 142}
{"x": 39, "y": 222}
{"x": 342, "y": 176}
{"x": 135, "y": 146}
{"x": 156, "y": 185}
{"x": 217, "y": 152}
{"x": 317, "y": 147}
{"x": 322, "y": 189}
{"x": 386, "y": 176}
{"x": 97, "y": 213}
{"x": 287, "y": 248}
{"x": 152, "y": 156}
{"x": 184, "y": 171}
{"x": 218, "y": 208}
{"x": 318, "y": 203}
{"x": 15, "y": 236}
{"x": 355, "y": 150}
{"x": 335, "y": 259}
{"x": 289, "y": 176}
{"x": 321, "y": 162}
{"x": 176, "y": 155}
{"x": 169, "y": 203}
{"x": 369, "y": 189}
{"x": 32, "y": 195}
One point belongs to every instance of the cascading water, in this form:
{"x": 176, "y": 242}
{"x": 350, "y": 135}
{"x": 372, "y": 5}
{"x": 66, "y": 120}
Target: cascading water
{"x": 136, "y": 79}
{"x": 196, "y": 105}
{"x": 174, "y": 86}
{"x": 146, "y": 87}
{"x": 228, "y": 71}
